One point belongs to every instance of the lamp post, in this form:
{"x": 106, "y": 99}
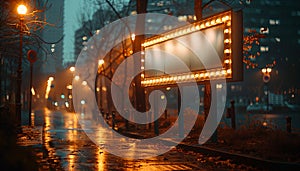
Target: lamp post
{"x": 100, "y": 70}
{"x": 22, "y": 10}
{"x": 69, "y": 88}
{"x": 266, "y": 78}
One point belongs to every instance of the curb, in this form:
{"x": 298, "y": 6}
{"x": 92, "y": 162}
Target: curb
{"x": 242, "y": 159}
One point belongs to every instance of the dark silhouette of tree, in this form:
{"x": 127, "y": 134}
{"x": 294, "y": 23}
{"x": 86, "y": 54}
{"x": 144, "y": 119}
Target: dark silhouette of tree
{"x": 33, "y": 24}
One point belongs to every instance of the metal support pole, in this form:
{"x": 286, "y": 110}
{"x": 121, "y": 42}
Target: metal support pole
{"x": 100, "y": 93}
{"x": 30, "y": 94}
{"x": 207, "y": 99}
{"x": 126, "y": 120}
{"x": 267, "y": 98}
{"x": 113, "y": 115}
{"x": 156, "y": 123}
{"x": 166, "y": 114}
{"x": 288, "y": 124}
{"x": 233, "y": 125}
{"x": 180, "y": 117}
{"x": 19, "y": 78}
{"x": 207, "y": 105}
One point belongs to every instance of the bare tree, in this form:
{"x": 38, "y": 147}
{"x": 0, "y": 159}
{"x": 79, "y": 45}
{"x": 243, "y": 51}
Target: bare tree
{"x": 33, "y": 25}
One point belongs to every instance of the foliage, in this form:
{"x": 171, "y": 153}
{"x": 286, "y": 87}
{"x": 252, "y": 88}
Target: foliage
{"x": 34, "y": 23}
{"x": 250, "y": 48}
{"x": 32, "y": 27}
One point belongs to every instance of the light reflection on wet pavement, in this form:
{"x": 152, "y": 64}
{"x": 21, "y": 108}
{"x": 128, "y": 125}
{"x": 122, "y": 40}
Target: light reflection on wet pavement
{"x": 65, "y": 146}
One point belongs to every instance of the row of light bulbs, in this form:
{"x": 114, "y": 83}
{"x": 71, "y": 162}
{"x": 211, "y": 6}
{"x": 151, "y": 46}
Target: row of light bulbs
{"x": 226, "y": 72}
{"x": 214, "y": 74}
{"x": 209, "y": 22}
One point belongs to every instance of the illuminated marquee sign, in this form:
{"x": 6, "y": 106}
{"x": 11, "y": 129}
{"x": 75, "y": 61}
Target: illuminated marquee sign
{"x": 224, "y": 31}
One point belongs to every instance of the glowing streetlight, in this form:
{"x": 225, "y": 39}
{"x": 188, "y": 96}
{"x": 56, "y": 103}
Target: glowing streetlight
{"x": 266, "y": 78}
{"x": 22, "y": 9}
{"x": 76, "y": 77}
{"x": 84, "y": 83}
{"x": 266, "y": 70}
{"x": 100, "y": 62}
{"x": 72, "y": 69}
{"x": 69, "y": 87}
{"x": 132, "y": 36}
{"x": 32, "y": 91}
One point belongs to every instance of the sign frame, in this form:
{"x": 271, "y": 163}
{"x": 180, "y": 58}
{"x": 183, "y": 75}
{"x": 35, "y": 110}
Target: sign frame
{"x": 232, "y": 68}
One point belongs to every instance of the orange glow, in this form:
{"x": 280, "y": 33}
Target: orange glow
{"x": 223, "y": 72}
{"x": 22, "y": 9}
{"x": 72, "y": 69}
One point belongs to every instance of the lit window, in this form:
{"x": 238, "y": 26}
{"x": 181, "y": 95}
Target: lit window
{"x": 264, "y": 48}
{"x": 53, "y": 45}
{"x": 160, "y": 4}
{"x": 277, "y": 39}
{"x": 274, "y": 22}
{"x": 84, "y": 38}
{"x": 52, "y": 50}
{"x": 232, "y": 87}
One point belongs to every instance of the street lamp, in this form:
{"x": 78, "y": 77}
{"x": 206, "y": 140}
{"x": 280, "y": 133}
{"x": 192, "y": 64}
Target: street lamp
{"x": 266, "y": 78}
{"x": 72, "y": 69}
{"x": 69, "y": 97}
{"x": 22, "y": 10}
{"x": 266, "y": 70}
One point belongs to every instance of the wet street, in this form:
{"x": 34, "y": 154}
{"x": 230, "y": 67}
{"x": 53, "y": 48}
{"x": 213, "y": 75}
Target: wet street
{"x": 63, "y": 145}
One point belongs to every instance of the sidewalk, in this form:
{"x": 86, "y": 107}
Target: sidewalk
{"x": 32, "y": 136}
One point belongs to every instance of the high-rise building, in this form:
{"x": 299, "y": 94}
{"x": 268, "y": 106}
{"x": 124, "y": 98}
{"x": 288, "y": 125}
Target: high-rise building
{"x": 277, "y": 20}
